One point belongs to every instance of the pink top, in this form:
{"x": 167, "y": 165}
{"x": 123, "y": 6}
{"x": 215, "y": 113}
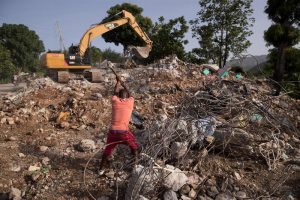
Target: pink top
{"x": 121, "y": 112}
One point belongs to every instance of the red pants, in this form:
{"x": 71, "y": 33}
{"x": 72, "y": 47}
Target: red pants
{"x": 119, "y": 137}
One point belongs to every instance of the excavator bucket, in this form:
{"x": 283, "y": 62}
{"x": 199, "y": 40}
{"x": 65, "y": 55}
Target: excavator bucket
{"x": 140, "y": 52}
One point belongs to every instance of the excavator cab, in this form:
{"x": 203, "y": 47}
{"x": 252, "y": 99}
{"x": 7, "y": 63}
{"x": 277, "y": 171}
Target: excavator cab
{"x": 73, "y": 57}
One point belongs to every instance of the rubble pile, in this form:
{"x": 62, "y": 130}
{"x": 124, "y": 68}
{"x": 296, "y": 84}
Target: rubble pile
{"x": 200, "y": 137}
{"x": 231, "y": 119}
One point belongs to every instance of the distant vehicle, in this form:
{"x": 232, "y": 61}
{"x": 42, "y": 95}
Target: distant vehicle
{"x": 76, "y": 63}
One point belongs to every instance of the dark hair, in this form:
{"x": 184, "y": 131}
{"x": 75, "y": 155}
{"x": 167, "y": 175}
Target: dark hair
{"x": 123, "y": 94}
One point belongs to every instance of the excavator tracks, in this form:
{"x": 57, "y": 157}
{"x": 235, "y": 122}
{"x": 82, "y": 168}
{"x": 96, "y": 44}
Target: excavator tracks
{"x": 63, "y": 76}
{"x": 93, "y": 76}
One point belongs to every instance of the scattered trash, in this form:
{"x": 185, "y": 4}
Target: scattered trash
{"x": 206, "y": 72}
{"x": 256, "y": 118}
{"x": 62, "y": 117}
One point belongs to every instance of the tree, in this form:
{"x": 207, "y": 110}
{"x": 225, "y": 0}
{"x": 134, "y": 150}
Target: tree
{"x": 284, "y": 33}
{"x": 125, "y": 35}
{"x": 95, "y": 55}
{"x": 7, "y": 68}
{"x": 168, "y": 38}
{"x": 24, "y": 46}
{"x": 222, "y": 28}
{"x": 291, "y": 76}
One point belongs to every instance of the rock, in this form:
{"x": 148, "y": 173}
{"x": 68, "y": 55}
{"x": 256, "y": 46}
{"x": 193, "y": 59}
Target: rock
{"x": 194, "y": 179}
{"x": 137, "y": 120}
{"x": 14, "y": 168}
{"x": 141, "y": 180}
{"x": 204, "y": 197}
{"x": 97, "y": 96}
{"x": 48, "y": 138}
{"x": 224, "y": 196}
{"x": 43, "y": 148}
{"x": 183, "y": 197}
{"x": 241, "y": 195}
{"x": 10, "y": 121}
{"x": 181, "y": 127}
{"x": 170, "y": 195}
{"x": 209, "y": 139}
{"x": 33, "y": 168}
{"x": 175, "y": 178}
{"x": 3, "y": 120}
{"x": 86, "y": 145}
{"x": 66, "y": 89}
{"x": 12, "y": 138}
{"x": 162, "y": 117}
{"x": 192, "y": 194}
{"x": 82, "y": 127}
{"x": 110, "y": 174}
{"x": 185, "y": 189}
{"x": 296, "y": 168}
{"x": 64, "y": 125}
{"x": 213, "y": 191}
{"x": 35, "y": 176}
{"x": 79, "y": 94}
{"x": 237, "y": 176}
{"x": 45, "y": 161}
{"x": 21, "y": 155}
{"x": 211, "y": 182}
{"x": 178, "y": 149}
{"x": 15, "y": 194}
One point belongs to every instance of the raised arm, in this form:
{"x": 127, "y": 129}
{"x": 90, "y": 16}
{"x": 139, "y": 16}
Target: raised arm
{"x": 126, "y": 88}
{"x": 116, "y": 90}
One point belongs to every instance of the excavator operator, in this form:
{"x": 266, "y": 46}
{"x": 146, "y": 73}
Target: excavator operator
{"x": 119, "y": 133}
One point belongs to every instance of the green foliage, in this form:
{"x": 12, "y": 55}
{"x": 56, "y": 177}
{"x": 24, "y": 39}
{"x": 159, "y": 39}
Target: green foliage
{"x": 282, "y": 35}
{"x": 7, "y": 68}
{"x": 125, "y": 35}
{"x": 95, "y": 55}
{"x": 168, "y": 38}
{"x": 281, "y": 12}
{"x": 24, "y": 46}
{"x": 277, "y": 33}
{"x": 222, "y": 28}
{"x": 292, "y": 68}
{"x": 111, "y": 55}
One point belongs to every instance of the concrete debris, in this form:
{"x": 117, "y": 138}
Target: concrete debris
{"x": 185, "y": 189}
{"x": 15, "y": 194}
{"x": 86, "y": 145}
{"x": 190, "y": 123}
{"x": 33, "y": 168}
{"x": 174, "y": 178}
{"x": 142, "y": 180}
{"x": 170, "y": 195}
{"x": 15, "y": 167}
{"x": 43, "y": 148}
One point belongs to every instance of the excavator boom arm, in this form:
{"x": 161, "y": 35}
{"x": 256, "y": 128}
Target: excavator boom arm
{"x": 100, "y": 29}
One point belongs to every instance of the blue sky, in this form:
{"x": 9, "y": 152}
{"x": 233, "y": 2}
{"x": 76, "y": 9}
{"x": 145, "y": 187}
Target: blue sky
{"x": 75, "y": 16}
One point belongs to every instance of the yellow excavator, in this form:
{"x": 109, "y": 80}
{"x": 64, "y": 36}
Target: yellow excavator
{"x": 62, "y": 68}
